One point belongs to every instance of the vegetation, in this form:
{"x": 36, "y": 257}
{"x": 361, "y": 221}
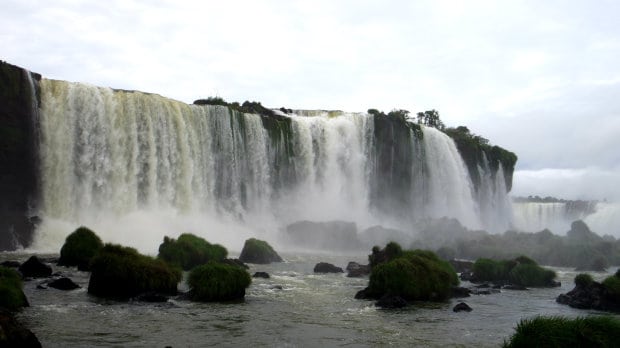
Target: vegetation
{"x": 410, "y": 274}
{"x": 218, "y": 282}
{"x": 520, "y": 271}
{"x": 583, "y": 280}
{"x": 121, "y": 272}
{"x": 592, "y": 331}
{"x": 258, "y": 251}
{"x": 79, "y": 248}
{"x": 11, "y": 294}
{"x": 189, "y": 251}
{"x": 612, "y": 285}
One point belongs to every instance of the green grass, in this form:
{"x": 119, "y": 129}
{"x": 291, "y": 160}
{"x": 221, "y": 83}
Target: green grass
{"x": 189, "y": 251}
{"x": 218, "y": 282}
{"x": 583, "y": 279}
{"x": 555, "y": 331}
{"x": 11, "y": 294}
{"x": 121, "y": 272}
{"x": 79, "y": 248}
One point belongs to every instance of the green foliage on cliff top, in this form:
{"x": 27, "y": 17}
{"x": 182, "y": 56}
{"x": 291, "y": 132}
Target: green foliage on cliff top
{"x": 189, "y": 251}
{"x": 591, "y": 331}
{"x": 79, "y": 248}
{"x": 416, "y": 275}
{"x": 11, "y": 294}
{"x": 121, "y": 273}
{"x": 258, "y": 251}
{"x": 218, "y": 282}
{"x": 520, "y": 271}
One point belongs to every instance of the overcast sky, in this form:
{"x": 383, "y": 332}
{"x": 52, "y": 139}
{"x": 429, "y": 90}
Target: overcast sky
{"x": 540, "y": 78}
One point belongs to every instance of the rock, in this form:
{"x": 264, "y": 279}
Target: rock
{"x": 276, "y": 287}
{"x": 11, "y": 264}
{"x": 151, "y": 297}
{"x": 467, "y": 276}
{"x": 63, "y": 284}
{"x": 363, "y": 294}
{"x": 462, "y": 266}
{"x": 189, "y": 251}
{"x": 218, "y": 282}
{"x": 34, "y": 268}
{"x": 356, "y": 270}
{"x": 324, "y": 267}
{"x": 458, "y": 291}
{"x": 591, "y": 295}
{"x": 259, "y": 252}
{"x": 462, "y": 306}
{"x": 13, "y": 334}
{"x": 235, "y": 262}
{"x": 261, "y": 275}
{"x": 79, "y": 248}
{"x": 391, "y": 301}
{"x": 514, "y": 287}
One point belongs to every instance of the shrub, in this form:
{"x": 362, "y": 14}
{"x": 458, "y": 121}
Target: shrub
{"x": 189, "y": 251}
{"x": 592, "y": 331}
{"x": 391, "y": 251}
{"x": 218, "y": 282}
{"x": 121, "y": 272}
{"x": 415, "y": 275}
{"x": 612, "y": 285}
{"x": 520, "y": 271}
{"x": 530, "y": 275}
{"x": 258, "y": 251}
{"x": 583, "y": 280}
{"x": 79, "y": 248}
{"x": 11, "y": 294}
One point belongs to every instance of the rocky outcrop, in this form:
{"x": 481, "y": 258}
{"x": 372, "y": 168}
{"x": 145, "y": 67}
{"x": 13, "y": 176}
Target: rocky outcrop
{"x": 35, "y": 268}
{"x": 590, "y": 295}
{"x": 63, "y": 283}
{"x": 324, "y": 267}
{"x": 462, "y": 307}
{"x": 356, "y": 270}
{"x": 261, "y": 275}
{"x": 18, "y": 156}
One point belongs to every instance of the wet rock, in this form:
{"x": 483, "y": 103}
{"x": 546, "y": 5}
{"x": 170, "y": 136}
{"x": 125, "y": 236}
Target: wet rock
{"x": 11, "y": 264}
{"x": 276, "y": 287}
{"x": 590, "y": 296}
{"x": 363, "y": 295}
{"x": 459, "y": 291}
{"x": 63, "y": 283}
{"x": 324, "y": 267}
{"x": 357, "y": 270}
{"x": 34, "y": 268}
{"x": 261, "y": 275}
{"x": 235, "y": 262}
{"x": 152, "y": 297}
{"x": 13, "y": 334}
{"x": 514, "y": 287}
{"x": 391, "y": 301}
{"x": 462, "y": 307}
{"x": 462, "y": 266}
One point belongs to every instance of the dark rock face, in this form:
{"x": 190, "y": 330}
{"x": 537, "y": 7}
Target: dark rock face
{"x": 18, "y": 156}
{"x": 151, "y": 297}
{"x": 391, "y": 301}
{"x": 324, "y": 267}
{"x": 462, "y": 306}
{"x": 63, "y": 284}
{"x": 356, "y": 270}
{"x": 34, "y": 268}
{"x": 589, "y": 296}
{"x": 462, "y": 266}
{"x": 13, "y": 334}
{"x": 261, "y": 275}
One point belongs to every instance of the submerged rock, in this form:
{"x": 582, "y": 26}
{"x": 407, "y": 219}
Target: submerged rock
{"x": 462, "y": 307}
{"x": 34, "y": 268}
{"x": 13, "y": 334}
{"x": 261, "y": 275}
{"x": 324, "y": 267}
{"x": 63, "y": 284}
{"x": 391, "y": 301}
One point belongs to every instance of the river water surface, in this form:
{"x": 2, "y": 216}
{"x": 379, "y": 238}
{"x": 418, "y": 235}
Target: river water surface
{"x": 293, "y": 308}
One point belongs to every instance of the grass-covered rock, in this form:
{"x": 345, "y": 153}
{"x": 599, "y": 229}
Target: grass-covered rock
{"x": 121, "y": 273}
{"x": 258, "y": 251}
{"x": 11, "y": 294}
{"x": 590, "y": 294}
{"x": 189, "y": 251}
{"x": 218, "y": 282}
{"x": 591, "y": 331}
{"x": 79, "y": 248}
{"x": 414, "y": 275}
{"x": 521, "y": 271}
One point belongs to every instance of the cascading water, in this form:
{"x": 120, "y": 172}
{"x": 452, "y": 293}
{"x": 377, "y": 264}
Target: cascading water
{"x": 136, "y": 166}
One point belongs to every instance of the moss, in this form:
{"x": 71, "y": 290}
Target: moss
{"x": 79, "y": 248}
{"x": 189, "y": 251}
{"x": 11, "y": 294}
{"x": 612, "y": 286}
{"x": 258, "y": 251}
{"x": 218, "y": 282}
{"x": 121, "y": 272}
{"x": 520, "y": 271}
{"x": 583, "y": 280}
{"x": 414, "y": 275}
{"x": 592, "y": 331}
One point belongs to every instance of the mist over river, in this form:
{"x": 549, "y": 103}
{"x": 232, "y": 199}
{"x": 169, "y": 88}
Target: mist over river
{"x": 310, "y": 310}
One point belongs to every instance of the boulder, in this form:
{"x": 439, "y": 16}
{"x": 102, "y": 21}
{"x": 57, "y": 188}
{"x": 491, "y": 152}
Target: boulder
{"x": 391, "y": 301}
{"x": 218, "y": 282}
{"x": 79, "y": 248}
{"x": 63, "y": 284}
{"x": 357, "y": 270}
{"x": 459, "y": 291}
{"x": 462, "y": 307}
{"x": 13, "y": 334}
{"x": 34, "y": 268}
{"x": 259, "y": 252}
{"x": 235, "y": 262}
{"x": 590, "y": 295}
{"x": 462, "y": 266}
{"x": 324, "y": 267}
{"x": 261, "y": 275}
{"x": 189, "y": 251}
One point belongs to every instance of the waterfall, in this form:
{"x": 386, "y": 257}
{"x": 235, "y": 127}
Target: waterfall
{"x": 135, "y": 167}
